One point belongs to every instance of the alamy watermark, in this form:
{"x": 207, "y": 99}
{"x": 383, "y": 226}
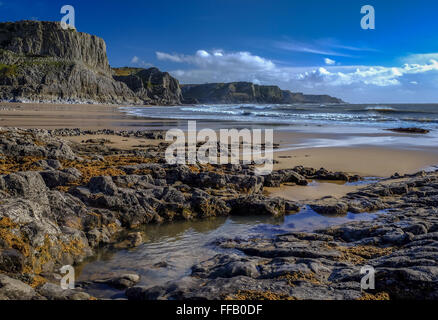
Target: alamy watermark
{"x": 368, "y": 280}
{"x": 68, "y": 21}
{"x": 228, "y": 146}
{"x": 368, "y": 21}
{"x": 68, "y": 280}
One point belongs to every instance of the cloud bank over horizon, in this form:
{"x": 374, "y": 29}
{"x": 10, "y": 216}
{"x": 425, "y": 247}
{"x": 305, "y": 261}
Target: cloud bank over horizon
{"x": 353, "y": 83}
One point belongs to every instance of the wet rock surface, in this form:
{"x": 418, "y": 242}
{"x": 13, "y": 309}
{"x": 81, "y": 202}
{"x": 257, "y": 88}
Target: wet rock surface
{"x": 401, "y": 244}
{"x": 62, "y": 200}
{"x": 410, "y": 130}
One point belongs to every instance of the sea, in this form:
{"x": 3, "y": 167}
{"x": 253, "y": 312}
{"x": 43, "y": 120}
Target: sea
{"x": 366, "y": 115}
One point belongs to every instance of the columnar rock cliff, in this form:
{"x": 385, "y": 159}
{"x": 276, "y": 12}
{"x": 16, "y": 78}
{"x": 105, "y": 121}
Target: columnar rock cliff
{"x": 41, "y": 62}
{"x": 247, "y": 92}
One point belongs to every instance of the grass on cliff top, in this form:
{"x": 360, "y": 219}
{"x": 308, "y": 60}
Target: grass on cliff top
{"x": 125, "y": 71}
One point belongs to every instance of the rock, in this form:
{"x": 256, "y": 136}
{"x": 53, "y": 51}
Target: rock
{"x": 55, "y": 292}
{"x": 55, "y": 178}
{"x": 151, "y": 85}
{"x": 123, "y": 281}
{"x": 260, "y": 205}
{"x": 104, "y": 185}
{"x": 410, "y": 130}
{"x": 330, "y": 206}
{"x": 12, "y": 289}
{"x": 49, "y": 164}
{"x": 28, "y": 185}
{"x": 208, "y": 206}
{"x": 282, "y": 176}
{"x": 226, "y": 267}
{"x": 11, "y": 261}
{"x": 135, "y": 239}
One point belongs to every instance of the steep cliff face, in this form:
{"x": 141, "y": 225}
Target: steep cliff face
{"x": 41, "y": 62}
{"x": 298, "y": 97}
{"x": 48, "y": 39}
{"x": 247, "y": 92}
{"x": 151, "y": 85}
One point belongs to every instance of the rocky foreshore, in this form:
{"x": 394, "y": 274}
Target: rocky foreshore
{"x": 401, "y": 245}
{"x": 61, "y": 200}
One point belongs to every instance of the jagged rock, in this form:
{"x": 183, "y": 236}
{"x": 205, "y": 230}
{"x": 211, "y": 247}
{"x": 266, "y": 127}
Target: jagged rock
{"x": 330, "y": 206}
{"x": 208, "y": 206}
{"x": 260, "y": 205}
{"x": 282, "y": 176}
{"x": 55, "y": 178}
{"x": 11, "y": 261}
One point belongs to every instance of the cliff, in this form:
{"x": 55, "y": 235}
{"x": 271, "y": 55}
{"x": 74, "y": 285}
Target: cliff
{"x": 151, "y": 85}
{"x": 41, "y": 62}
{"x": 247, "y": 92}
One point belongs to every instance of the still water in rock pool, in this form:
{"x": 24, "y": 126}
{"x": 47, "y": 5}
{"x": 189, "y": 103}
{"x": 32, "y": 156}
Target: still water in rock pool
{"x": 171, "y": 249}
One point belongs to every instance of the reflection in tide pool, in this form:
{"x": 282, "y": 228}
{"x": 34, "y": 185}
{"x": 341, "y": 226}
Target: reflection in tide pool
{"x": 170, "y": 250}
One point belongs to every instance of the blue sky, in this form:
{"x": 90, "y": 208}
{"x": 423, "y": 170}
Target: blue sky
{"x": 308, "y": 46}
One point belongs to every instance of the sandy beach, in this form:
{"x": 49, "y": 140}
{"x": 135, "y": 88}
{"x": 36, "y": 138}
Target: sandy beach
{"x": 365, "y": 160}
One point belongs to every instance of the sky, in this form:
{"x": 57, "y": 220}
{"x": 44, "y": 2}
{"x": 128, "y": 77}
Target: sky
{"x": 312, "y": 46}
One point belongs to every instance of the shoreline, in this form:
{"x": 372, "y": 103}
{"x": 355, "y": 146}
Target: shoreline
{"x": 295, "y": 146}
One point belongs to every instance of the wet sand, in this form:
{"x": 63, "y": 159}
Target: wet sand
{"x": 313, "y": 191}
{"x": 364, "y": 160}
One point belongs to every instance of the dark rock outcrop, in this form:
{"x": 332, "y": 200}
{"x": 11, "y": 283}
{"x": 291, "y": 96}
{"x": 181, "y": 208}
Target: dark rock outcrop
{"x": 410, "y": 130}
{"x": 150, "y": 85}
{"x": 247, "y": 92}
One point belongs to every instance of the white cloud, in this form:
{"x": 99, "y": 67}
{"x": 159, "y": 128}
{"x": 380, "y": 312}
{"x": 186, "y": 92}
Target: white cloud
{"x": 138, "y": 62}
{"x": 375, "y": 75}
{"x": 218, "y": 59}
{"x": 420, "y": 58}
{"x": 348, "y": 82}
{"x": 329, "y": 61}
{"x": 330, "y": 47}
{"x": 308, "y": 48}
{"x": 166, "y": 56}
